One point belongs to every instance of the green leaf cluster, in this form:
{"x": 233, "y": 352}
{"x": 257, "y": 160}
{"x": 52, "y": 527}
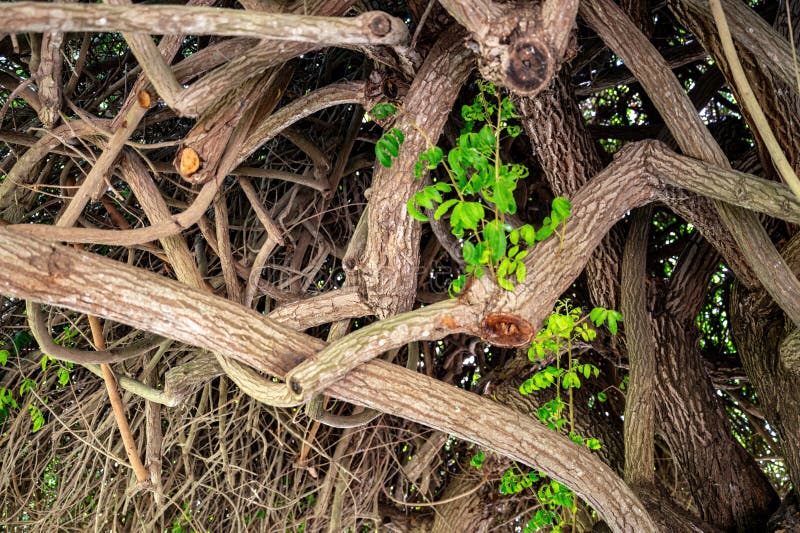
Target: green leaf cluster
{"x": 565, "y": 326}
{"x": 600, "y": 316}
{"x": 513, "y": 483}
{"x": 479, "y": 191}
{"x": 388, "y": 146}
{"x": 555, "y": 500}
{"x": 477, "y": 460}
{"x": 11, "y": 399}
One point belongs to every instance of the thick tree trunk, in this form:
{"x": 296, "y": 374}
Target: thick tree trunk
{"x": 768, "y": 347}
{"x": 726, "y": 483}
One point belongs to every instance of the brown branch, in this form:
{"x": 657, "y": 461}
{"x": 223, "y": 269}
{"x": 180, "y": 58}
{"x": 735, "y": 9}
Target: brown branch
{"x": 48, "y": 77}
{"x": 21, "y": 174}
{"x": 723, "y": 183}
{"x": 640, "y": 396}
{"x": 391, "y": 257}
{"x": 520, "y": 47}
{"x": 82, "y": 357}
{"x": 332, "y": 95}
{"x": 693, "y": 137}
{"x": 94, "y": 184}
{"x": 21, "y": 88}
{"x": 596, "y": 208}
{"x": 34, "y": 269}
{"x": 771, "y": 51}
{"x": 338, "y": 358}
{"x": 372, "y": 27}
{"x": 117, "y": 408}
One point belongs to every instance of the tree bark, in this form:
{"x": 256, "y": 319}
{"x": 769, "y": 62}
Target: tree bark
{"x": 767, "y": 347}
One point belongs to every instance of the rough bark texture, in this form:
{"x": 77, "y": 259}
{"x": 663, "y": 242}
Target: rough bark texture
{"x": 229, "y": 200}
{"x": 390, "y": 262}
{"x": 569, "y": 159}
{"x": 768, "y": 349}
{"x": 640, "y": 399}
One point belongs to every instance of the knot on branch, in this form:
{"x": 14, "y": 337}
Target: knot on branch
{"x": 187, "y": 163}
{"x": 790, "y": 352}
{"x": 506, "y": 330}
{"x": 529, "y": 67}
{"x": 380, "y": 25}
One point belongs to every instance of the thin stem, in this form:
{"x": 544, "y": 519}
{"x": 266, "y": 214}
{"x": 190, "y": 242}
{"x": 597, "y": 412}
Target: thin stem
{"x": 571, "y": 398}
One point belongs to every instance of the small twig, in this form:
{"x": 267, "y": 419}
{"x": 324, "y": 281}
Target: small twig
{"x": 118, "y": 409}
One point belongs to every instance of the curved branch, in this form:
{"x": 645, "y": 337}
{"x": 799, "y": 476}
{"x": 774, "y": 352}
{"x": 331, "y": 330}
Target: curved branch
{"x": 35, "y": 269}
{"x": 694, "y": 139}
{"x": 348, "y": 92}
{"x": 372, "y": 27}
{"x": 38, "y": 327}
{"x": 623, "y": 185}
{"x": 339, "y": 93}
{"x": 416, "y": 397}
{"x": 338, "y": 358}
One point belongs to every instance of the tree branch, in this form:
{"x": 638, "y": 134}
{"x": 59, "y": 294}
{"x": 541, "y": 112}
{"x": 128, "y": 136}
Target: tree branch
{"x": 372, "y": 27}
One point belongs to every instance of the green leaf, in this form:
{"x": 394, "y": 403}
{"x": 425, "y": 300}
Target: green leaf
{"x": 507, "y": 110}
{"x": 598, "y": 316}
{"x": 521, "y": 272}
{"x": 470, "y": 253}
{"x": 37, "y": 418}
{"x": 528, "y": 234}
{"x": 22, "y": 340}
{"x": 443, "y": 187}
{"x": 63, "y": 376}
{"x": 502, "y": 269}
{"x": 602, "y": 397}
{"x": 444, "y": 208}
{"x": 427, "y": 197}
{"x": 45, "y": 358}
{"x": 505, "y": 284}
{"x": 495, "y": 235}
{"x": 457, "y": 285}
{"x": 4, "y": 357}
{"x": 593, "y": 444}
{"x": 571, "y": 381}
{"x": 418, "y": 169}
{"x": 415, "y": 214}
{"x": 502, "y": 196}
{"x": 613, "y": 318}
{"x": 26, "y": 385}
{"x": 612, "y": 324}
{"x": 7, "y": 398}
{"x": 466, "y": 215}
{"x": 477, "y": 460}
{"x": 545, "y": 231}
{"x": 382, "y": 156}
{"x": 383, "y": 110}
{"x": 390, "y": 144}
{"x": 399, "y": 135}
{"x": 561, "y": 208}
{"x": 486, "y": 138}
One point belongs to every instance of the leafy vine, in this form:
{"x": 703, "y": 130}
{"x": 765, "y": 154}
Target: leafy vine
{"x": 477, "y": 181}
